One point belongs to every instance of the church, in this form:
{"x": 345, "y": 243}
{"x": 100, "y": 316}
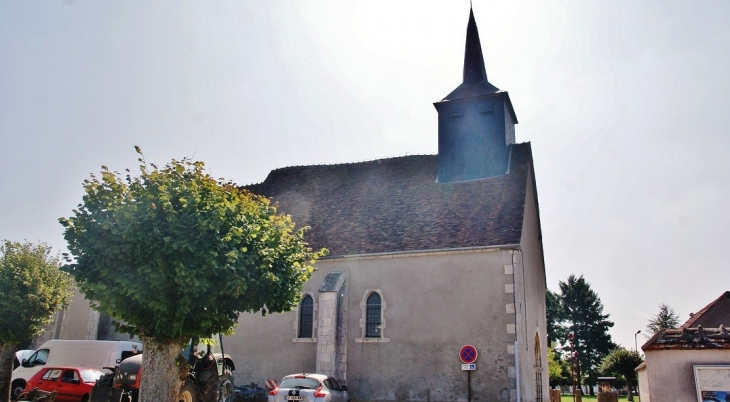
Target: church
{"x": 428, "y": 254}
{"x": 434, "y": 286}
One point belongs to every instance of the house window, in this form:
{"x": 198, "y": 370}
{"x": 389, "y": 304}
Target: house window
{"x": 372, "y": 320}
{"x": 373, "y": 315}
{"x": 306, "y": 317}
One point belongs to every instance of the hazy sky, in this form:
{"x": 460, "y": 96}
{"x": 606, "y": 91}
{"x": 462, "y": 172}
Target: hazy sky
{"x": 625, "y": 103}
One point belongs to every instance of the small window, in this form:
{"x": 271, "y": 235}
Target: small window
{"x": 70, "y": 376}
{"x": 52, "y": 375}
{"x": 334, "y": 385}
{"x": 306, "y": 317}
{"x": 372, "y": 316}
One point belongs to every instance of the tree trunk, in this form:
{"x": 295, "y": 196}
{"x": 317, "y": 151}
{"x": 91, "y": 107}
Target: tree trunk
{"x": 160, "y": 376}
{"x": 7, "y": 355}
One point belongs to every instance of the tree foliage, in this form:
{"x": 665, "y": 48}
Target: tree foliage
{"x": 558, "y": 369}
{"x": 666, "y": 318}
{"x": 622, "y": 362}
{"x": 555, "y": 314}
{"x": 582, "y": 314}
{"x": 33, "y": 288}
{"x": 174, "y": 253}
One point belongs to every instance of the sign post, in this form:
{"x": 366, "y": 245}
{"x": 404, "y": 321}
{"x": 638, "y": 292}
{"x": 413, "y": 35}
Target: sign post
{"x": 468, "y": 355}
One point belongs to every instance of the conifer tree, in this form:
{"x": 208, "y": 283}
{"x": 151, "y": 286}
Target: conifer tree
{"x": 666, "y": 318}
{"x": 583, "y": 316}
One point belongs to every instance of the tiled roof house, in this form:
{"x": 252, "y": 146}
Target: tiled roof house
{"x": 682, "y": 362}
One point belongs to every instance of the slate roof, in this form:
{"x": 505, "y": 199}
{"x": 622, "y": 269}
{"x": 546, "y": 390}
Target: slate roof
{"x": 395, "y": 205}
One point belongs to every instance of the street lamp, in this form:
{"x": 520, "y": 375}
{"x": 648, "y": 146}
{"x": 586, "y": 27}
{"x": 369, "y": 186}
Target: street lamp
{"x": 636, "y": 345}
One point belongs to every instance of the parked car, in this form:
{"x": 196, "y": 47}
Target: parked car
{"x": 308, "y": 388}
{"x": 72, "y": 384}
{"x": 72, "y": 353}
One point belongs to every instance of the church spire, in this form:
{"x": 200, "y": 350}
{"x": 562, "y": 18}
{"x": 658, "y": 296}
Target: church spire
{"x": 475, "y": 74}
{"x": 474, "y": 70}
{"x": 476, "y": 122}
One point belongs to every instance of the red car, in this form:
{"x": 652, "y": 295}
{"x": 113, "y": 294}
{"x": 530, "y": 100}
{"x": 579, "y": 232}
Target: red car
{"x": 73, "y": 384}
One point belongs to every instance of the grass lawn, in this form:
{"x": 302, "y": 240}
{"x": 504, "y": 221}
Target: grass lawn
{"x": 569, "y": 398}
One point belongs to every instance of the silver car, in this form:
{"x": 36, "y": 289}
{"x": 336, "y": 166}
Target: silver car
{"x": 308, "y": 388}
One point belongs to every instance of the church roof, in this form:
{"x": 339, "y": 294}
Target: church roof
{"x": 395, "y": 205}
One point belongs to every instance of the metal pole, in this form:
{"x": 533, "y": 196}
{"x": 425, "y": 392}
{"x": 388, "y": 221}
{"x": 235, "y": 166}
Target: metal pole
{"x": 572, "y": 363}
{"x": 468, "y": 384}
{"x": 636, "y": 345}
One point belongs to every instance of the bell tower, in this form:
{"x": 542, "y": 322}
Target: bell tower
{"x": 476, "y": 121}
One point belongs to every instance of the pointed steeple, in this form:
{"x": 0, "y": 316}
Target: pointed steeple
{"x": 474, "y": 70}
{"x": 475, "y": 74}
{"x": 476, "y": 122}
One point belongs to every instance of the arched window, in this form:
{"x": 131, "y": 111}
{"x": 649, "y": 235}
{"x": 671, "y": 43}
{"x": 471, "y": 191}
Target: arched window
{"x": 306, "y": 317}
{"x": 373, "y": 315}
{"x": 538, "y": 370}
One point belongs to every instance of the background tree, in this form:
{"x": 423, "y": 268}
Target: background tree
{"x": 583, "y": 316}
{"x": 622, "y": 362}
{"x": 174, "y": 254}
{"x": 555, "y": 317}
{"x": 666, "y": 318}
{"x": 32, "y": 288}
{"x": 558, "y": 369}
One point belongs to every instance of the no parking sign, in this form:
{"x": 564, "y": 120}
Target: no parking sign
{"x": 468, "y": 354}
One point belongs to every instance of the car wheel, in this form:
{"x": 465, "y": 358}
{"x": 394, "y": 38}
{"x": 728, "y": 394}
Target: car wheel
{"x": 188, "y": 393}
{"x": 85, "y": 398}
{"x": 17, "y": 389}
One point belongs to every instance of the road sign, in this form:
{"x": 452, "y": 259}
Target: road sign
{"x": 468, "y": 354}
{"x": 469, "y": 367}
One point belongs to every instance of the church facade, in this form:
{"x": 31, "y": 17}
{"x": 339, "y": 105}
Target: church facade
{"x": 427, "y": 254}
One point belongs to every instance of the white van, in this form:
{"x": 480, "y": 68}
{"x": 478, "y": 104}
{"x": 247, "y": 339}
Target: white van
{"x": 20, "y": 356}
{"x": 72, "y": 353}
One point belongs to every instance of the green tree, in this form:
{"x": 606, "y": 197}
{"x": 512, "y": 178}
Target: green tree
{"x": 555, "y": 316}
{"x": 584, "y": 317}
{"x": 174, "y": 253}
{"x": 558, "y": 369}
{"x": 622, "y": 362}
{"x": 33, "y": 287}
{"x": 666, "y": 318}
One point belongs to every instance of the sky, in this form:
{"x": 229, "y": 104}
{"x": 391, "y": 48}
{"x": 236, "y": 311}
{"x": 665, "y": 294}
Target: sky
{"x": 625, "y": 103}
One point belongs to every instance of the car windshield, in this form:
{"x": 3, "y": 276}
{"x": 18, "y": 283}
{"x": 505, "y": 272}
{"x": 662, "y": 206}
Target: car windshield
{"x": 91, "y": 375}
{"x": 307, "y": 383}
